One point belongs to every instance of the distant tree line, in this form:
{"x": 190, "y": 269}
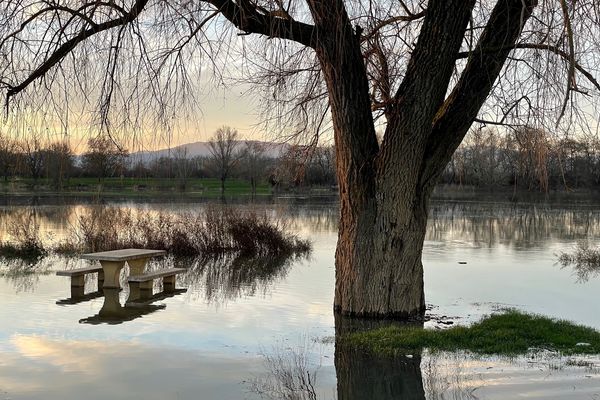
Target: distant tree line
{"x": 230, "y": 158}
{"x": 525, "y": 158}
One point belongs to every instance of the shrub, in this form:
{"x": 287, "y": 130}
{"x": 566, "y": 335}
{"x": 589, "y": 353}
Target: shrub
{"x": 214, "y": 231}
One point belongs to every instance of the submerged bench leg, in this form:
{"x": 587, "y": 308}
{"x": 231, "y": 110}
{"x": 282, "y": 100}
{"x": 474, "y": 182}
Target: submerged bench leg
{"x": 78, "y": 281}
{"x": 77, "y": 292}
{"x": 112, "y": 271}
{"x": 136, "y": 267}
{"x": 169, "y": 283}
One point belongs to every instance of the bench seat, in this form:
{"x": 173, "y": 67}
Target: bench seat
{"x": 156, "y": 274}
{"x": 77, "y": 276}
{"x": 144, "y": 282}
{"x": 79, "y": 271}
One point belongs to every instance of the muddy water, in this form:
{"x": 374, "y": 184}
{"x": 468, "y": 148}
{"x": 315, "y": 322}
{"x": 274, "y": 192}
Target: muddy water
{"x": 264, "y": 328}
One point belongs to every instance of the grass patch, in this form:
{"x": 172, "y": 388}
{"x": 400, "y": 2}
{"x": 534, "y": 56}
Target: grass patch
{"x": 510, "y": 333}
{"x": 207, "y": 186}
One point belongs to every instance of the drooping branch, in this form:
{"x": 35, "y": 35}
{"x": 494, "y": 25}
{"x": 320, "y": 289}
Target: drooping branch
{"x": 571, "y": 82}
{"x": 458, "y": 112}
{"x": 63, "y": 50}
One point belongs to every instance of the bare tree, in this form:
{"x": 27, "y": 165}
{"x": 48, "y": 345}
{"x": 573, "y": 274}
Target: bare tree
{"x": 183, "y": 166}
{"x": 58, "y": 162}
{"x": 421, "y": 71}
{"x": 253, "y": 160}
{"x": 104, "y": 158}
{"x": 223, "y": 146}
{"x": 8, "y": 149}
{"x": 32, "y": 151}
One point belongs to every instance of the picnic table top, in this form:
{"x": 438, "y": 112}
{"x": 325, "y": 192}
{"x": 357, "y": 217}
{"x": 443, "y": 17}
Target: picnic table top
{"x": 123, "y": 254}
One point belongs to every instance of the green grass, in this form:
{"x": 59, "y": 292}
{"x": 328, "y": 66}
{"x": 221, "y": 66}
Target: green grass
{"x": 132, "y": 185}
{"x": 510, "y": 333}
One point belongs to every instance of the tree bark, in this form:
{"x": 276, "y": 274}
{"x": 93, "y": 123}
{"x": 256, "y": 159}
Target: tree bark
{"x": 383, "y": 209}
{"x": 384, "y": 190}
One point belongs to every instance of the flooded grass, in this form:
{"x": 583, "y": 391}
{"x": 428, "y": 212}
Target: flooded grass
{"x": 510, "y": 333}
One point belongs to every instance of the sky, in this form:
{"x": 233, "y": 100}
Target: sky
{"x": 233, "y": 105}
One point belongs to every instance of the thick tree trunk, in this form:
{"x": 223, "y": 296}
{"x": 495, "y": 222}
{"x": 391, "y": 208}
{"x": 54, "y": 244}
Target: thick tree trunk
{"x": 384, "y": 190}
{"x": 383, "y": 200}
{"x": 378, "y": 266}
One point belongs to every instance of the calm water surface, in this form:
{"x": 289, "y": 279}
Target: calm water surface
{"x": 265, "y": 330}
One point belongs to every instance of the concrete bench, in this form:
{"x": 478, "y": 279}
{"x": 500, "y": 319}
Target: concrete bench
{"x": 113, "y": 261}
{"x": 145, "y": 282}
{"x": 78, "y": 275}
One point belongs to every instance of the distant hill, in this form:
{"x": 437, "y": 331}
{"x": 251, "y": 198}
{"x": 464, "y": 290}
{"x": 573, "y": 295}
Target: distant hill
{"x": 202, "y": 149}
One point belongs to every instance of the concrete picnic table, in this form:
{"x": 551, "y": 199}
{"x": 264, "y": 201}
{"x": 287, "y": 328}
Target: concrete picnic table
{"x": 113, "y": 261}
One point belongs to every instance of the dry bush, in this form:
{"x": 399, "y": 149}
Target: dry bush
{"x": 26, "y": 242}
{"x": 213, "y": 231}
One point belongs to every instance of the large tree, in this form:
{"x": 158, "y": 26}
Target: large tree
{"x": 421, "y": 71}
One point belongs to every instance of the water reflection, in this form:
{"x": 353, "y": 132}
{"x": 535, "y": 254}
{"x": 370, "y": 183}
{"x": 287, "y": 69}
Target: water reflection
{"x": 364, "y": 375}
{"x": 23, "y": 275}
{"x": 290, "y": 374}
{"x": 296, "y": 373}
{"x": 522, "y": 226}
{"x": 584, "y": 260}
{"x": 112, "y": 312}
{"x": 230, "y": 277}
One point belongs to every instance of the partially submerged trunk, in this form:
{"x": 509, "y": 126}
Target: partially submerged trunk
{"x": 384, "y": 189}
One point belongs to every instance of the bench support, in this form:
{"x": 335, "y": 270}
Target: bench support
{"x": 77, "y": 291}
{"x": 77, "y": 281}
{"x": 140, "y": 290}
{"x": 136, "y": 267}
{"x": 112, "y": 272}
{"x": 169, "y": 283}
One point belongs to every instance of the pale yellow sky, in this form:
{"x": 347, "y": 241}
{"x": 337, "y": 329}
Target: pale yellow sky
{"x": 235, "y": 106}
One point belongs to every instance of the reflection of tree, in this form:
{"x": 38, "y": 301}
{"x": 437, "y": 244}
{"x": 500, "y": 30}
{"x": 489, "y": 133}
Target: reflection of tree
{"x": 229, "y": 277}
{"x": 364, "y": 375}
{"x": 292, "y": 372}
{"x": 24, "y": 275}
{"x": 522, "y": 226}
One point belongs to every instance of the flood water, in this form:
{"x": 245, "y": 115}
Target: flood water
{"x": 243, "y": 329}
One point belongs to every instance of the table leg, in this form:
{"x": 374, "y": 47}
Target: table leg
{"x": 112, "y": 306}
{"x": 112, "y": 271}
{"x": 136, "y": 267}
